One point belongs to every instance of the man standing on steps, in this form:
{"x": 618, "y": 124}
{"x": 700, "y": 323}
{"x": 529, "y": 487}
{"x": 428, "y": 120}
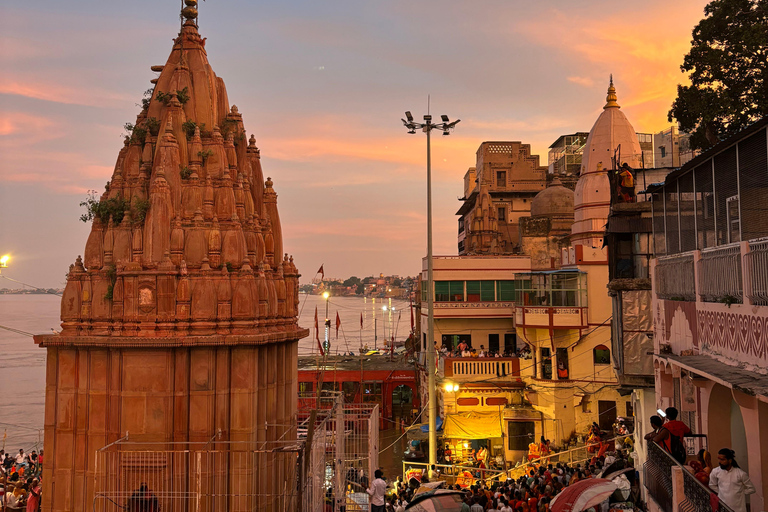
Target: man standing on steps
{"x": 377, "y": 491}
{"x": 730, "y": 482}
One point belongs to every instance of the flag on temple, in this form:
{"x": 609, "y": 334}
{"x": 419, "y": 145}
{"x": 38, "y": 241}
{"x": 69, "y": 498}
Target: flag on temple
{"x": 317, "y": 334}
{"x": 361, "y": 320}
{"x": 321, "y": 272}
{"x": 338, "y": 324}
{"x": 411, "y": 317}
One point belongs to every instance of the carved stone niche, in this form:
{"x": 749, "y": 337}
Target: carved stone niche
{"x": 146, "y": 298}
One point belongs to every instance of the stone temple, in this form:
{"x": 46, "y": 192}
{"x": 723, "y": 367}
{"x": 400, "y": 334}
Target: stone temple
{"x": 179, "y": 323}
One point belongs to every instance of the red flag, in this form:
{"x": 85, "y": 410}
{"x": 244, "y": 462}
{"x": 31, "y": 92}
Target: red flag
{"x": 338, "y": 324}
{"x": 361, "y": 320}
{"x": 321, "y": 272}
{"x": 317, "y": 334}
{"x": 411, "y": 317}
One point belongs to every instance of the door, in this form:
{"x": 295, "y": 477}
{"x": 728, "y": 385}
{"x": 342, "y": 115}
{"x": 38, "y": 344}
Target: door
{"x": 493, "y": 342}
{"x": 606, "y": 414}
{"x": 510, "y": 342}
{"x": 546, "y": 364}
{"x": 562, "y": 363}
{"x": 402, "y": 402}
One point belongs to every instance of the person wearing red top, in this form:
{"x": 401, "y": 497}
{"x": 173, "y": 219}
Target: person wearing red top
{"x": 672, "y": 427}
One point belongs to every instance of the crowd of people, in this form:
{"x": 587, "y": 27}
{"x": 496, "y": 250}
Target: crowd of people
{"x": 21, "y": 479}
{"x": 464, "y": 350}
{"x": 529, "y": 493}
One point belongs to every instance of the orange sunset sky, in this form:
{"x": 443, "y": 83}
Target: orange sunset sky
{"x": 322, "y": 86}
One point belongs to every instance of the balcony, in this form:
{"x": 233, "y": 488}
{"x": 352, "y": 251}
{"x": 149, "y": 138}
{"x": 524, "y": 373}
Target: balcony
{"x": 554, "y": 317}
{"x": 673, "y": 487}
{"x": 459, "y": 368}
{"x": 714, "y": 301}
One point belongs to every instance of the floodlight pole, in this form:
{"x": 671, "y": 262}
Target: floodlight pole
{"x": 427, "y": 127}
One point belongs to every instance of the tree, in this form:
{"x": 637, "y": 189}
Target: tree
{"x": 352, "y": 281}
{"x": 728, "y": 72}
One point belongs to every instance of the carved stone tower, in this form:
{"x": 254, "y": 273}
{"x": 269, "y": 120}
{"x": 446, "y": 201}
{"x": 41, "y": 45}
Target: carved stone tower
{"x": 180, "y": 320}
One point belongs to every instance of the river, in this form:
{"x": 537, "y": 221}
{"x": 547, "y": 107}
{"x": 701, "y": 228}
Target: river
{"x": 22, "y": 365}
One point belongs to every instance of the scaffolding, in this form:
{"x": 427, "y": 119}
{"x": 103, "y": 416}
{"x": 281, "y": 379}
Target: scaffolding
{"x": 325, "y": 462}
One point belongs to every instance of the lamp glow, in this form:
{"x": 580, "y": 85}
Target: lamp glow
{"x": 449, "y": 387}
{"x": 4, "y": 261}
{"x": 326, "y": 295}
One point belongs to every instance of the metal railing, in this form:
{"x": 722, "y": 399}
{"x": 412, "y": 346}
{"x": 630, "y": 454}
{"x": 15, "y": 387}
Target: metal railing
{"x": 658, "y": 471}
{"x": 483, "y": 367}
{"x": 756, "y": 261}
{"x": 720, "y": 277}
{"x": 675, "y": 277}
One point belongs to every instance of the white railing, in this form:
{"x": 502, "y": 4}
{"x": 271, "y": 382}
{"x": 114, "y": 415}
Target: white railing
{"x": 483, "y": 367}
{"x": 756, "y": 263}
{"x": 720, "y": 277}
{"x": 675, "y": 277}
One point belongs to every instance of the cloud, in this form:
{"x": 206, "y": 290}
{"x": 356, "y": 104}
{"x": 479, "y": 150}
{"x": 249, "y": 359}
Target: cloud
{"x": 582, "y": 80}
{"x": 61, "y": 93}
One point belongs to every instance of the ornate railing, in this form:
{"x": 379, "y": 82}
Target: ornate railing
{"x": 483, "y": 367}
{"x": 720, "y": 277}
{"x": 658, "y": 476}
{"x": 675, "y": 277}
{"x": 757, "y": 269}
{"x": 474, "y": 305}
{"x": 696, "y": 497}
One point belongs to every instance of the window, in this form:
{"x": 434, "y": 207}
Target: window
{"x": 350, "y": 390}
{"x": 372, "y": 392}
{"x": 449, "y": 291}
{"x": 663, "y": 150}
{"x": 521, "y": 433}
{"x": 546, "y": 364}
{"x": 461, "y": 225}
{"x": 461, "y": 247}
{"x": 330, "y": 386}
{"x": 478, "y": 291}
{"x": 452, "y": 341}
{"x": 457, "y": 291}
{"x": 502, "y": 213}
{"x": 305, "y": 389}
{"x": 501, "y": 178}
{"x": 560, "y": 289}
{"x": 602, "y": 355}
{"x": 441, "y": 291}
{"x": 510, "y": 342}
{"x": 506, "y": 290}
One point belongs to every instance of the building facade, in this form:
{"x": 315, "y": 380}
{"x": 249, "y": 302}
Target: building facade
{"x": 710, "y": 301}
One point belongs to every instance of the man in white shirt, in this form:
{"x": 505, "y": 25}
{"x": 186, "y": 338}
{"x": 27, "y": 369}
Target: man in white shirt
{"x": 730, "y": 482}
{"x": 377, "y": 491}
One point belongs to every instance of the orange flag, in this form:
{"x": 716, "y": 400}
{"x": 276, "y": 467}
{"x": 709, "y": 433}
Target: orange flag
{"x": 338, "y": 324}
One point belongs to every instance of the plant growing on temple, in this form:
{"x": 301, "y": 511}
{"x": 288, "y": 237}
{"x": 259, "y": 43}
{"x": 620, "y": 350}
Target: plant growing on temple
{"x": 139, "y": 210}
{"x": 135, "y": 133}
{"x": 164, "y": 97}
{"x": 145, "y": 101}
{"x": 205, "y": 154}
{"x": 153, "y": 125}
{"x": 726, "y": 66}
{"x": 183, "y": 95}
{"x": 111, "y": 275}
{"x": 185, "y": 172}
{"x": 189, "y": 128}
{"x": 114, "y": 207}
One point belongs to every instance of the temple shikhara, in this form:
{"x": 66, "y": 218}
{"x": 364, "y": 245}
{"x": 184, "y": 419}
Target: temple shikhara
{"x": 179, "y": 322}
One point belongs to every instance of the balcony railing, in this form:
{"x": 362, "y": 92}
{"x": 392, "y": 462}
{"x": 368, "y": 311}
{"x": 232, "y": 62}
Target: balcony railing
{"x": 658, "y": 475}
{"x": 482, "y": 367}
{"x": 720, "y": 274}
{"x": 756, "y": 262}
{"x": 675, "y": 277}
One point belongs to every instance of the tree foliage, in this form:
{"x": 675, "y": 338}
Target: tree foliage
{"x": 352, "y": 281}
{"x": 728, "y": 72}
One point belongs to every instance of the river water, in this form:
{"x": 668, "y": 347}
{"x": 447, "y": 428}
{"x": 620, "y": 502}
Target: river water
{"x": 22, "y": 363}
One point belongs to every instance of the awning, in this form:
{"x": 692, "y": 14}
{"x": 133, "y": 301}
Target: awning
{"x": 733, "y": 377}
{"x": 473, "y": 425}
{"x": 617, "y": 224}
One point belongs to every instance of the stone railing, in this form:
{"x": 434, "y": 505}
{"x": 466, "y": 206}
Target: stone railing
{"x": 675, "y": 277}
{"x": 474, "y": 305}
{"x": 720, "y": 274}
{"x": 756, "y": 267}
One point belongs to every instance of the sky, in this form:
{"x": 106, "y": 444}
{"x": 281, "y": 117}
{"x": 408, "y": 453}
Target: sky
{"x": 322, "y": 86}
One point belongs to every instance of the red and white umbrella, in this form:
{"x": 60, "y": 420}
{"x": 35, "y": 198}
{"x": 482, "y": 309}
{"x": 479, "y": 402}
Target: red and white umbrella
{"x": 582, "y": 495}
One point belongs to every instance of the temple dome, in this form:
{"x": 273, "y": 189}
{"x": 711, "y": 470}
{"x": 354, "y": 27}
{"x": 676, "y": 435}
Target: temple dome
{"x": 554, "y": 201}
{"x": 612, "y": 134}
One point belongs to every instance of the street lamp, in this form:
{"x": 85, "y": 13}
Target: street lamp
{"x": 427, "y": 126}
{"x": 327, "y": 342}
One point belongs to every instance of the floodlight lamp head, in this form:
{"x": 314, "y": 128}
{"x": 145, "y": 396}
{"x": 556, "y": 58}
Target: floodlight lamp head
{"x": 444, "y": 118}
{"x": 427, "y": 117}
{"x": 409, "y": 116}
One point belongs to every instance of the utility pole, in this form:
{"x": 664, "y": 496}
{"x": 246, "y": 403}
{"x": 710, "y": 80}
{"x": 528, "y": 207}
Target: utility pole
{"x": 427, "y": 126}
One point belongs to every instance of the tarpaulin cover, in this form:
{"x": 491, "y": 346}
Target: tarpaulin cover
{"x": 438, "y": 425}
{"x": 473, "y": 425}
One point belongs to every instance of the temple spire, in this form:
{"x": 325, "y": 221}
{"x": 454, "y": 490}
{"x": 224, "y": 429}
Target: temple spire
{"x": 189, "y": 12}
{"x": 611, "y": 99}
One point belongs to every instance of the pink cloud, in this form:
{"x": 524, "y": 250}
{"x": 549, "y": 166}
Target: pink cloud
{"x": 582, "y": 80}
{"x": 60, "y": 93}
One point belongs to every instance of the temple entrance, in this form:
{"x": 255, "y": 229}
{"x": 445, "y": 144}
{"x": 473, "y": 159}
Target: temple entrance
{"x": 402, "y": 403}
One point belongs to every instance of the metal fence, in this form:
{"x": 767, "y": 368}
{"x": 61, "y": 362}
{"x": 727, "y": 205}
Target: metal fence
{"x": 720, "y": 274}
{"x": 675, "y": 277}
{"x": 324, "y": 463}
{"x": 756, "y": 261}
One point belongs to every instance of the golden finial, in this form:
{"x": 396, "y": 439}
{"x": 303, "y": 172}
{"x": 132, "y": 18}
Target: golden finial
{"x": 190, "y": 11}
{"x": 610, "y": 100}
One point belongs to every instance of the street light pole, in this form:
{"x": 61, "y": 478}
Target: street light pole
{"x": 446, "y": 126}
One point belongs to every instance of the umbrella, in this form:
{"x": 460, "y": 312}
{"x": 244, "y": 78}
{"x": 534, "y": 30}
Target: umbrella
{"x": 582, "y": 495}
{"x": 439, "y": 500}
{"x": 430, "y": 486}
{"x": 614, "y": 474}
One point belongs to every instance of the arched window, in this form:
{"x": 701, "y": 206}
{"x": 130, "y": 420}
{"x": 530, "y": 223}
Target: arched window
{"x": 602, "y": 355}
